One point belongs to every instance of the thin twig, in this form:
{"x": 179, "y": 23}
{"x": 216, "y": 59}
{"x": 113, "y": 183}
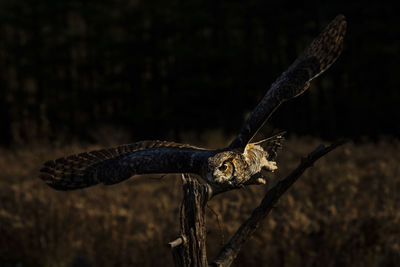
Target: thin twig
{"x": 176, "y": 242}
{"x": 219, "y": 224}
{"x": 229, "y": 252}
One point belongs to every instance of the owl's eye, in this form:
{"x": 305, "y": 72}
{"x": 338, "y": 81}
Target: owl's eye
{"x": 226, "y": 167}
{"x": 223, "y": 167}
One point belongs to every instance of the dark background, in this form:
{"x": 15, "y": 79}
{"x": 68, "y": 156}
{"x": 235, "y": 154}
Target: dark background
{"x": 158, "y": 69}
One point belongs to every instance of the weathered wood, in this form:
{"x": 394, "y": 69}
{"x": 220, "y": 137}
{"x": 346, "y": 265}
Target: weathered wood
{"x": 176, "y": 242}
{"x": 190, "y": 248}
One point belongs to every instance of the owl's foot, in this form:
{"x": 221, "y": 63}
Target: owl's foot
{"x": 258, "y": 178}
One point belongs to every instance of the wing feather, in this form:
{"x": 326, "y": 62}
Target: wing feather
{"x": 114, "y": 165}
{"x": 316, "y": 58}
{"x": 272, "y": 144}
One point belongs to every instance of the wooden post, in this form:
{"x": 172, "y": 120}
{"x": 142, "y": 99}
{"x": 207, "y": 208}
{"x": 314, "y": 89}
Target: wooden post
{"x": 189, "y": 249}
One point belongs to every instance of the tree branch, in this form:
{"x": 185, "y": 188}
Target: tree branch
{"x": 229, "y": 252}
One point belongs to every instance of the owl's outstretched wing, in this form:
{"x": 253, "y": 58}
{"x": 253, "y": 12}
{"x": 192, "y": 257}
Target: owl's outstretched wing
{"x": 114, "y": 165}
{"x": 317, "y": 57}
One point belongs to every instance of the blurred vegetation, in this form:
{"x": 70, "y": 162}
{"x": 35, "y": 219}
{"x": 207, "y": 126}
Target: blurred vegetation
{"x": 161, "y": 68}
{"x": 344, "y": 211}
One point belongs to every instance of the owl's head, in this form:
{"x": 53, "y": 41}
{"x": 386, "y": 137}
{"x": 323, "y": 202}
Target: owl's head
{"x": 224, "y": 168}
{"x": 235, "y": 168}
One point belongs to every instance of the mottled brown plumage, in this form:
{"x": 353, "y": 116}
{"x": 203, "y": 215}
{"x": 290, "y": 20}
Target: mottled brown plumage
{"x": 238, "y": 164}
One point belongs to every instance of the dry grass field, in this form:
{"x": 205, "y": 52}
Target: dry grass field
{"x": 344, "y": 211}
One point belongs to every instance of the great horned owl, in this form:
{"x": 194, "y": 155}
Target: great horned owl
{"x": 238, "y": 164}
